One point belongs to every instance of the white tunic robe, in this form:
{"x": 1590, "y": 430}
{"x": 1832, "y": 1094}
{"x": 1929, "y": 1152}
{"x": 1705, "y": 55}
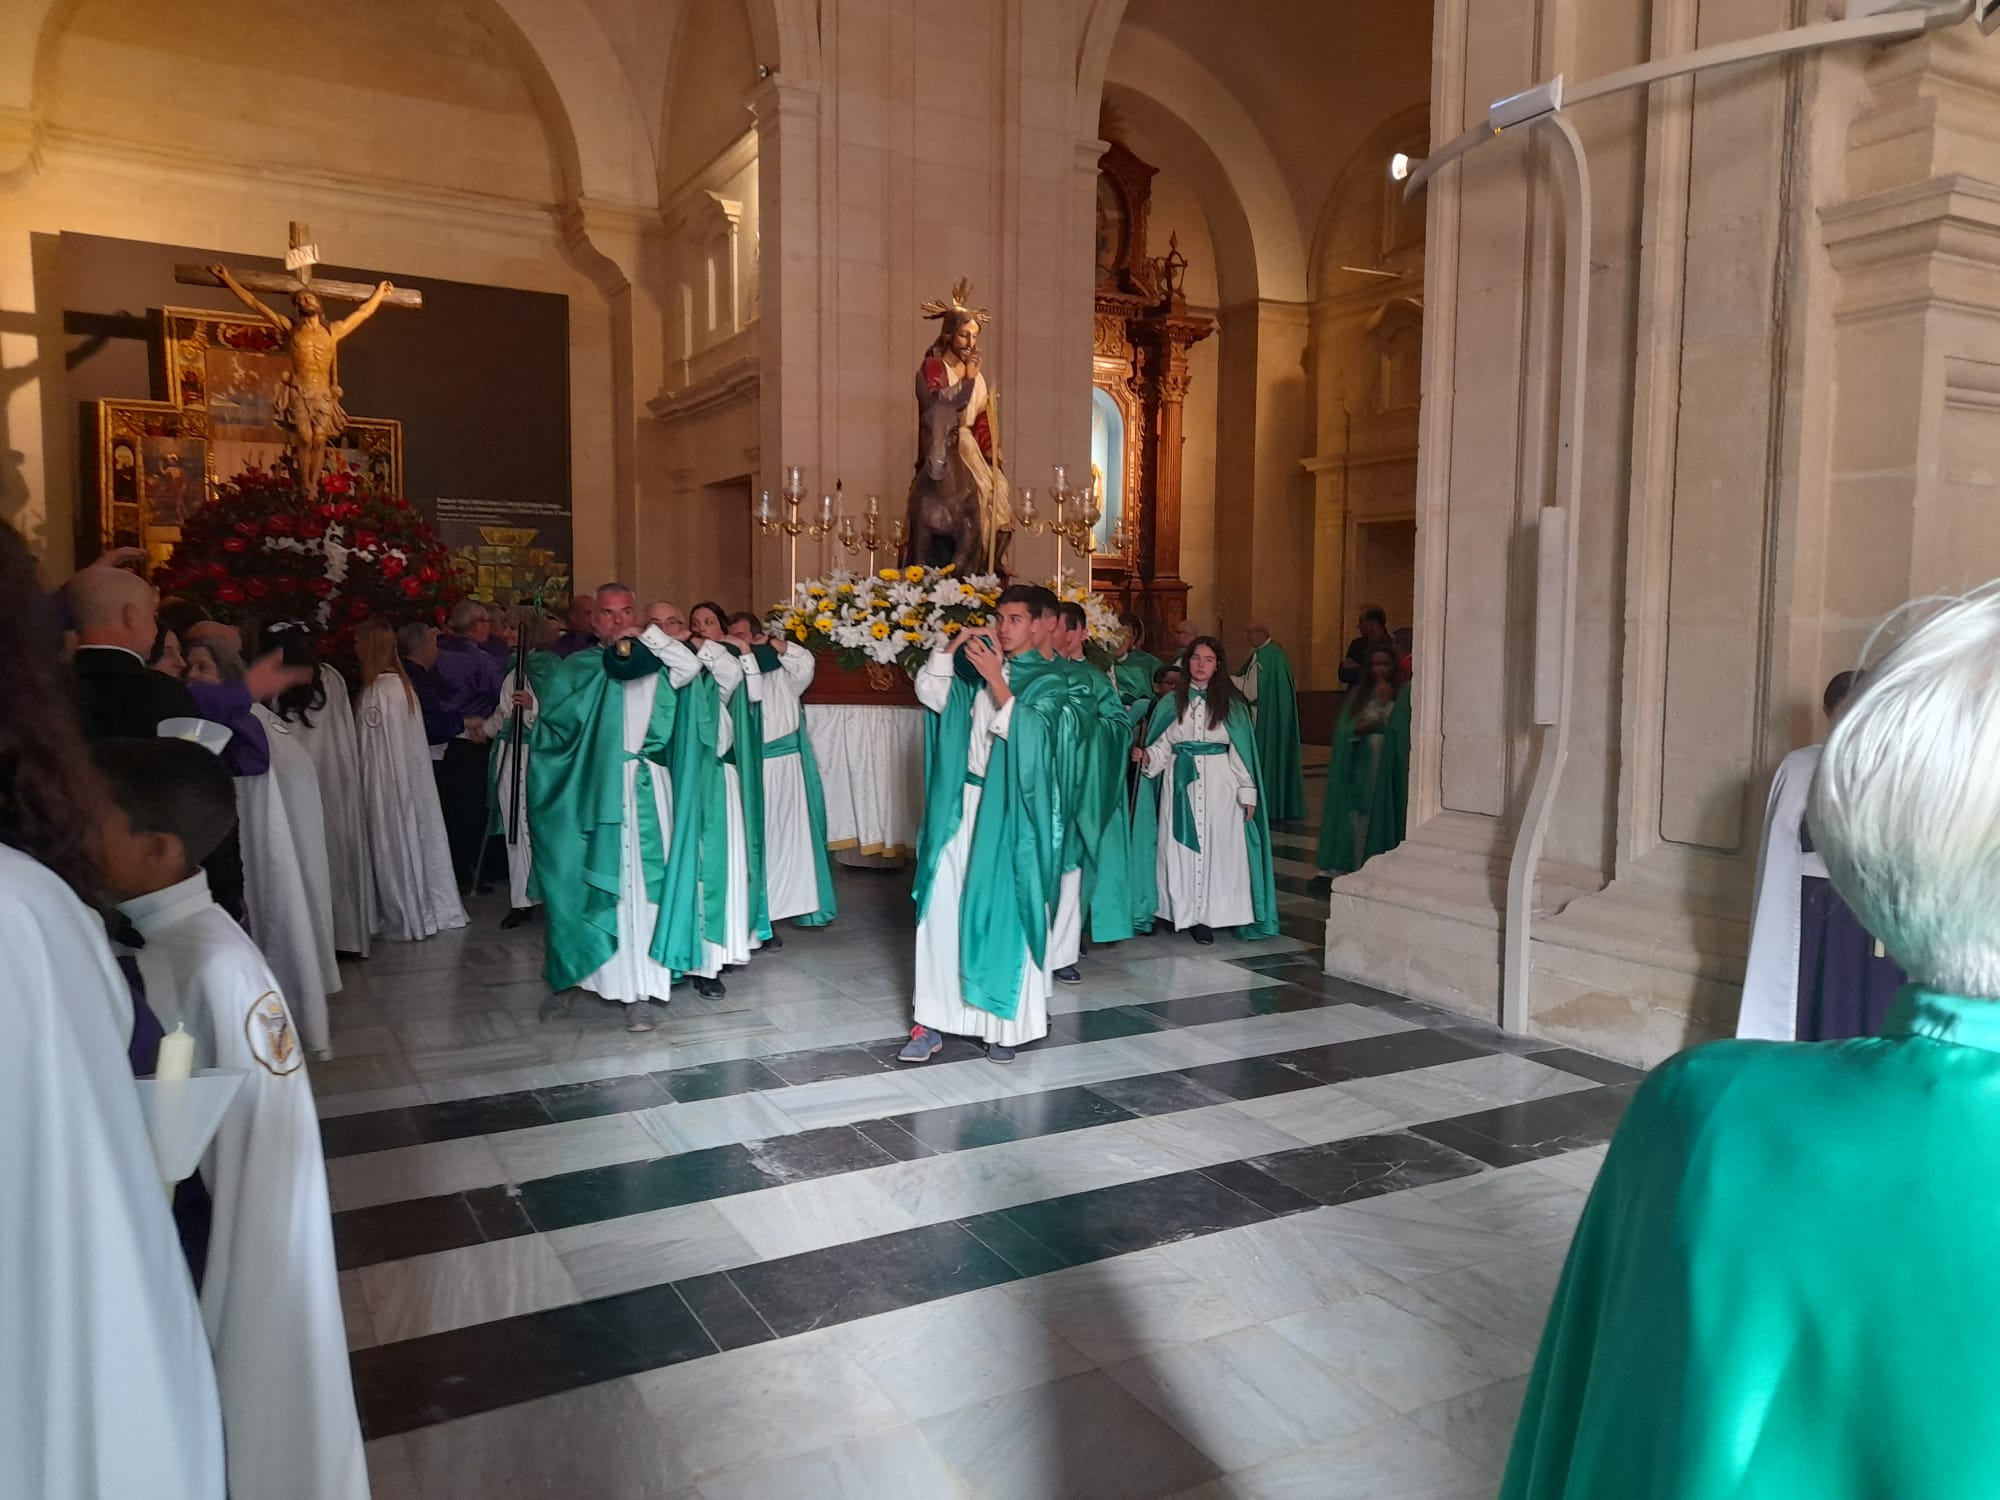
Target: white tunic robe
{"x": 1770, "y": 1009}
{"x": 286, "y": 886}
{"x": 520, "y": 853}
{"x": 1209, "y": 887}
{"x": 330, "y": 740}
{"x": 630, "y": 974}
{"x": 270, "y": 1295}
{"x": 106, "y": 1386}
{"x": 730, "y": 673}
{"x": 940, "y": 997}
{"x": 416, "y": 892}
{"x": 791, "y": 867}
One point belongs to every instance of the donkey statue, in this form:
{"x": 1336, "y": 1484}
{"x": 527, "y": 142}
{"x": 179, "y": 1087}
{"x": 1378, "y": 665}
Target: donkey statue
{"x": 944, "y": 520}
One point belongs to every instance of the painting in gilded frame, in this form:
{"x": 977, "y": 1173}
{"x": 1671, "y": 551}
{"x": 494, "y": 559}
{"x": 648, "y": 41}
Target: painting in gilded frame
{"x": 152, "y": 473}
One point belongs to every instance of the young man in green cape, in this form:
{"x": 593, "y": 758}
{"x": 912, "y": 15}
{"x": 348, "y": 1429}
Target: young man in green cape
{"x": 1091, "y": 761}
{"x": 601, "y": 807}
{"x": 987, "y": 854}
{"x": 1134, "y": 669}
{"x": 1367, "y": 802}
{"x": 1267, "y": 686}
{"x": 798, "y": 876}
{"x": 1211, "y": 862}
{"x": 1783, "y": 1283}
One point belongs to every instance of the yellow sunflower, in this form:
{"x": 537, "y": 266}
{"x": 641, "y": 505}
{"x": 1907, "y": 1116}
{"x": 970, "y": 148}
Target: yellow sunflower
{"x": 889, "y": 575}
{"x": 823, "y": 624}
{"x": 880, "y": 630}
{"x": 952, "y": 627}
{"x": 912, "y": 574}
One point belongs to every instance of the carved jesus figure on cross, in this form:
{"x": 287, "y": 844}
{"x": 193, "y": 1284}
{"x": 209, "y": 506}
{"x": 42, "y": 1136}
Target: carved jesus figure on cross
{"x": 307, "y": 406}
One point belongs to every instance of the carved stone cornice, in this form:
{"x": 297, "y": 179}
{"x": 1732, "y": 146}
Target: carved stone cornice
{"x": 21, "y": 135}
{"x": 729, "y": 385}
{"x": 1935, "y": 243}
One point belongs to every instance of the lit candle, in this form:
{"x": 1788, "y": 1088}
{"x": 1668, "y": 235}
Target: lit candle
{"x": 826, "y": 510}
{"x": 176, "y": 1056}
{"x": 873, "y": 503}
{"x": 764, "y": 506}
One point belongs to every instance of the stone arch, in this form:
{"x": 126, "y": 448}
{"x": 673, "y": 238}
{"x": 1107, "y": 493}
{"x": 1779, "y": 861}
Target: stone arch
{"x": 1364, "y": 221}
{"x": 1189, "y": 154}
{"x": 595, "y": 129}
{"x": 787, "y": 36}
{"x": 1148, "y": 64}
{"x": 1100, "y": 32}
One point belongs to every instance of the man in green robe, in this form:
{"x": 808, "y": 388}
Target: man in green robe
{"x": 1367, "y": 806}
{"x": 601, "y": 808}
{"x": 1273, "y": 697}
{"x": 988, "y": 852}
{"x": 1783, "y": 1284}
{"x": 1134, "y": 669}
{"x": 1091, "y": 760}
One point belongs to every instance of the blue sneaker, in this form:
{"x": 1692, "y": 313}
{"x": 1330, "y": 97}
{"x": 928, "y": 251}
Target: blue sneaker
{"x": 1068, "y": 974}
{"x": 997, "y": 1053}
{"x": 923, "y": 1045}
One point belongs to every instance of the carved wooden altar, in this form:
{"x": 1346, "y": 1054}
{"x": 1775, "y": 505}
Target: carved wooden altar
{"x": 1139, "y": 360}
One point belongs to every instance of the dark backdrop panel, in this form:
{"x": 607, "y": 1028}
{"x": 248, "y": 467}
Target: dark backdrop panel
{"x": 479, "y": 377}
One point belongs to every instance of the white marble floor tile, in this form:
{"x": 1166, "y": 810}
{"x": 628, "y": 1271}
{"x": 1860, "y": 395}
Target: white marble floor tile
{"x": 714, "y": 1122}
{"x": 940, "y": 1356}
{"x": 762, "y": 1404}
{"x": 1130, "y": 1306}
{"x": 390, "y": 1476}
{"x": 1405, "y": 1236}
{"x": 472, "y": 1029}
{"x": 1407, "y": 1353}
{"x": 412, "y": 1172}
{"x": 373, "y": 1076}
{"x": 487, "y": 1057}
{"x": 328, "y": 1105}
{"x": 934, "y": 1188}
{"x": 1505, "y": 1078}
{"x": 898, "y": 1464}
{"x": 1316, "y": 1116}
{"x": 1171, "y": 978}
{"x": 571, "y": 1146}
{"x": 457, "y": 1288}
{"x": 1204, "y": 1137}
{"x": 1085, "y": 1063}
{"x": 1080, "y": 1437}
{"x": 1577, "y": 1168}
{"x": 841, "y": 1101}
{"x": 602, "y": 1441}
{"x": 641, "y": 1250}
{"x": 1255, "y": 1035}
{"x": 1532, "y": 1206}
{"x": 1182, "y": 1047}
{"x": 811, "y": 1215}
{"x": 1511, "y": 1296}
{"x": 354, "y": 1312}
{"x": 1393, "y": 1460}
{"x": 1247, "y": 1397}
{"x": 1478, "y": 1425}
{"x": 1275, "y": 1269}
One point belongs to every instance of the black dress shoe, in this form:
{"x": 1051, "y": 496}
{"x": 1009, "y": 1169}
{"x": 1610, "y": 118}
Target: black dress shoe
{"x": 518, "y": 916}
{"x": 1203, "y": 935}
{"x": 708, "y": 989}
{"x": 1320, "y": 885}
{"x": 774, "y": 944}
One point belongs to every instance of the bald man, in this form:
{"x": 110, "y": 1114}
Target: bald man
{"x": 670, "y": 618}
{"x": 116, "y": 616}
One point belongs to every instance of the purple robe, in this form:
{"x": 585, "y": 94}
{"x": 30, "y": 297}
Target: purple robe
{"x": 248, "y": 752}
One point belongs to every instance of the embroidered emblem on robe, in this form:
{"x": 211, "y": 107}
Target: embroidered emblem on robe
{"x": 268, "y": 1030}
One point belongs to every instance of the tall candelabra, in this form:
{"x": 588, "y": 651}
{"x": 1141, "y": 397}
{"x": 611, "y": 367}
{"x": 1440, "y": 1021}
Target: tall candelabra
{"x": 869, "y": 537}
{"x": 1074, "y": 523}
{"x": 771, "y": 523}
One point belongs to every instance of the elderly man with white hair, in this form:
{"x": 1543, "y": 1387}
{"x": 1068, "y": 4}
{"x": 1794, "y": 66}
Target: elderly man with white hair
{"x": 1784, "y": 1282}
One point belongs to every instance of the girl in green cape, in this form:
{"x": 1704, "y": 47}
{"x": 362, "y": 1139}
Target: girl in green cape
{"x": 1368, "y": 779}
{"x": 1201, "y": 843}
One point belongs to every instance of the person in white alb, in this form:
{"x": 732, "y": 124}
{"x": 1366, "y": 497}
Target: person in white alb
{"x": 322, "y": 719}
{"x": 516, "y": 697}
{"x": 270, "y": 1293}
{"x": 798, "y": 880}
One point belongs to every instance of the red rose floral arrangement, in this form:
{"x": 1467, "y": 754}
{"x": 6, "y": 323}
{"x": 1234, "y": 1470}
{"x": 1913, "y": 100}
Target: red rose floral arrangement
{"x": 268, "y": 552}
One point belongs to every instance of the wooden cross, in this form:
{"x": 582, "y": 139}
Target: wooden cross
{"x": 300, "y": 260}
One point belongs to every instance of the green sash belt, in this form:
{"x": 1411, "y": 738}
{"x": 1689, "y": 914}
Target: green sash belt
{"x": 1185, "y": 772}
{"x": 784, "y": 744}
{"x": 973, "y": 778}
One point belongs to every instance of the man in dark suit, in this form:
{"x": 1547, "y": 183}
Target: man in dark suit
{"x": 119, "y": 695}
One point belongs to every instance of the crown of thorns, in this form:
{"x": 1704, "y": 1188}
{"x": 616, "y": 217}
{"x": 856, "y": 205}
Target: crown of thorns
{"x": 959, "y": 292}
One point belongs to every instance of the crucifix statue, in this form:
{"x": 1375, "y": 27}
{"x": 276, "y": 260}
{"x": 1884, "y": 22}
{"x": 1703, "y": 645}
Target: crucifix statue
{"x": 308, "y": 405}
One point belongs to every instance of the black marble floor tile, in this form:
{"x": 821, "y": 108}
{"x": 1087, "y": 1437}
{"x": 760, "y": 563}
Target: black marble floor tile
{"x": 1542, "y": 1127}
{"x": 1014, "y": 1244}
{"x": 378, "y": 1130}
{"x": 637, "y": 1187}
{"x": 717, "y": 1080}
{"x": 1249, "y": 1078}
{"x": 1261, "y": 1188}
{"x": 498, "y": 1212}
{"x": 1471, "y": 1143}
{"x": 459, "y": 1118}
{"x": 895, "y": 1140}
{"x": 604, "y": 1096}
{"x": 1365, "y": 1166}
{"x": 1343, "y": 991}
{"x": 656, "y": 1323}
{"x": 1055, "y": 1111}
{"x": 1103, "y": 1222}
{"x": 1158, "y": 1094}
{"x": 1373, "y": 1056}
{"x": 956, "y": 1049}
{"x": 1305, "y": 929}
{"x": 1102, "y": 1025}
{"x": 818, "y": 1153}
{"x": 728, "y": 1319}
{"x": 959, "y": 1127}
{"x": 823, "y": 1063}
{"x": 1201, "y": 1010}
{"x": 422, "y": 1381}
{"x": 1280, "y": 963}
{"x": 858, "y": 1280}
{"x": 1598, "y": 1069}
{"x": 396, "y": 1231}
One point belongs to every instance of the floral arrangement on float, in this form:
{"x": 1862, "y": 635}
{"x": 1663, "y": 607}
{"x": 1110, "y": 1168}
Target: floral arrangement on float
{"x": 266, "y": 550}
{"x": 900, "y": 615}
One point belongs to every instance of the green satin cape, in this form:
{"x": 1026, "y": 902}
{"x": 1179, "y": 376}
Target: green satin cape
{"x": 576, "y": 804}
{"x": 829, "y": 907}
{"x": 1382, "y": 793}
{"x": 1134, "y": 673}
{"x": 1782, "y": 1287}
{"x": 1276, "y": 721}
{"x": 1098, "y": 824}
{"x": 1012, "y": 873}
{"x": 1257, "y": 836}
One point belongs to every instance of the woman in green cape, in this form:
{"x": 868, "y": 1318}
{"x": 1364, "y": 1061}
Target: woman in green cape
{"x": 1201, "y": 844}
{"x": 1368, "y": 779}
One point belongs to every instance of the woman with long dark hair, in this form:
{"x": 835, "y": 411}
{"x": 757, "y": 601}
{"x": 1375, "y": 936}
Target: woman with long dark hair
{"x": 416, "y": 892}
{"x": 1202, "y": 836}
{"x": 321, "y": 718}
{"x": 95, "y": 1285}
{"x": 1368, "y": 778}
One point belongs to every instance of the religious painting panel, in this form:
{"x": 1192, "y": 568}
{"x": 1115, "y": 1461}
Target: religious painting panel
{"x": 1108, "y": 472}
{"x": 507, "y": 551}
{"x": 151, "y": 466}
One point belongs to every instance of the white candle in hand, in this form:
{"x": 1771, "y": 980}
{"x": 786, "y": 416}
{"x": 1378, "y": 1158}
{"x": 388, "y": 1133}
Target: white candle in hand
{"x": 176, "y": 1056}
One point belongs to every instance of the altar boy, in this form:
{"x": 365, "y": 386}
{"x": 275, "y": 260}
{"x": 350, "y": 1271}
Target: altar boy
{"x": 270, "y": 1297}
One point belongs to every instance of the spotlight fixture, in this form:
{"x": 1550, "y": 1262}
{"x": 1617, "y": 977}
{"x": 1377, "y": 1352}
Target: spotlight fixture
{"x": 1402, "y": 164}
